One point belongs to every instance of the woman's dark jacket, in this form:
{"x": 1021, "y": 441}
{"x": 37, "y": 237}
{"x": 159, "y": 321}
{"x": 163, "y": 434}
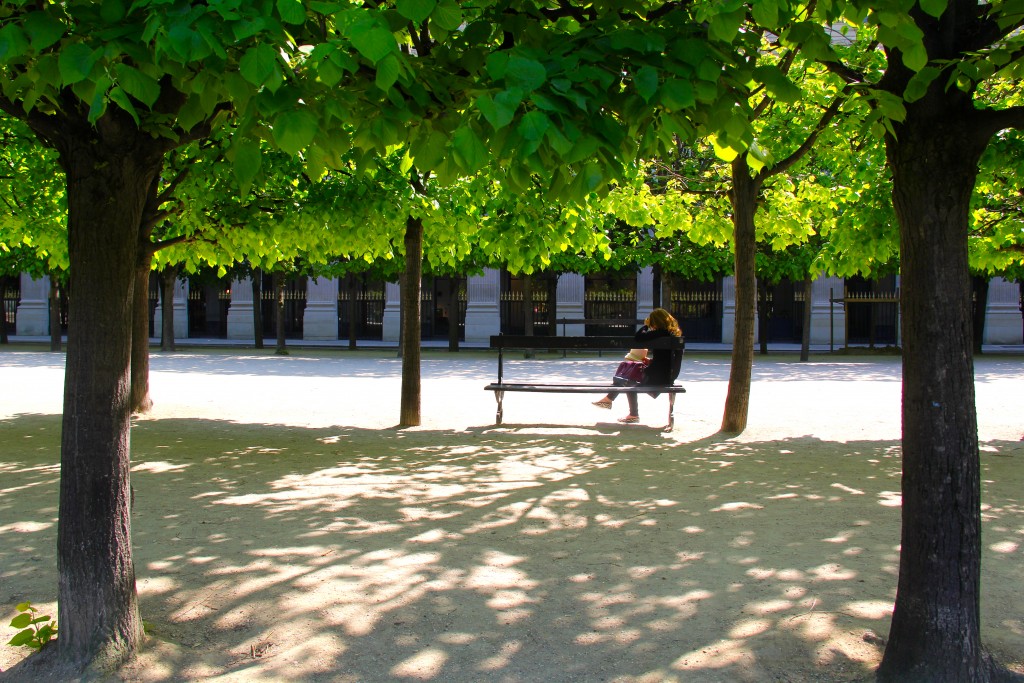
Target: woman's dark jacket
{"x": 665, "y": 363}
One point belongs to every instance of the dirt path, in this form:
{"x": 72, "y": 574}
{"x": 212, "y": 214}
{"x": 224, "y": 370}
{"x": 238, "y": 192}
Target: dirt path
{"x": 285, "y": 531}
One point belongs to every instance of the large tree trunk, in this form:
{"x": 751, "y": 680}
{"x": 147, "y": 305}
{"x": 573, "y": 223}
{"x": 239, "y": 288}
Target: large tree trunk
{"x": 744, "y": 203}
{"x": 411, "y": 283}
{"x": 107, "y": 182}
{"x": 168, "y": 278}
{"x": 140, "y": 400}
{"x": 935, "y": 631}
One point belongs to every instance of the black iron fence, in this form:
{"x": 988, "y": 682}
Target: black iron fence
{"x": 872, "y": 318}
{"x": 10, "y": 312}
{"x": 513, "y": 312}
{"x": 699, "y": 315}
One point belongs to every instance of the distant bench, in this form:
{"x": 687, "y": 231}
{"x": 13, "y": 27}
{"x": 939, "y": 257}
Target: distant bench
{"x": 505, "y": 341}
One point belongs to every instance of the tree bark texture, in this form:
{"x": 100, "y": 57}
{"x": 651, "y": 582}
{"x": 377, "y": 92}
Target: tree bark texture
{"x": 141, "y": 401}
{"x": 109, "y": 170}
{"x": 411, "y": 283}
{"x": 168, "y": 278}
{"x": 935, "y": 630}
{"x": 744, "y": 203}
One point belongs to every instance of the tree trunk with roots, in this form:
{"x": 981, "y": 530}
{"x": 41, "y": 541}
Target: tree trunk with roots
{"x": 109, "y": 171}
{"x": 935, "y": 632}
{"x": 744, "y": 203}
{"x": 411, "y": 282}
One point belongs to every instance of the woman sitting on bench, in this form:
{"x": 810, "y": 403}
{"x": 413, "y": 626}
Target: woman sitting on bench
{"x": 664, "y": 364}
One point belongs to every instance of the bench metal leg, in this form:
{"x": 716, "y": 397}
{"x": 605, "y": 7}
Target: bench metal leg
{"x": 671, "y": 410}
{"x": 499, "y": 396}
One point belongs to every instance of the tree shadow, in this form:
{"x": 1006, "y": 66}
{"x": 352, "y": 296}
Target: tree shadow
{"x": 513, "y": 553}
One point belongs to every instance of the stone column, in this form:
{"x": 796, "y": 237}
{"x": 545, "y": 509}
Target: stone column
{"x": 728, "y": 308}
{"x": 571, "y": 294}
{"x": 240, "y": 324}
{"x": 828, "y": 323}
{"x": 729, "y": 311}
{"x": 645, "y": 293}
{"x": 483, "y": 312}
{"x": 33, "y": 317}
{"x": 320, "y": 319}
{"x": 180, "y": 304}
{"x": 392, "y": 323}
{"x": 1003, "y": 323}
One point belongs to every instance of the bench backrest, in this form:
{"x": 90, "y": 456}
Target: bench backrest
{"x": 517, "y": 341}
{"x": 510, "y": 341}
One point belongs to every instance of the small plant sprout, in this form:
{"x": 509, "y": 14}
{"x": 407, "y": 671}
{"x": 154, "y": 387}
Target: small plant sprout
{"x": 36, "y": 631}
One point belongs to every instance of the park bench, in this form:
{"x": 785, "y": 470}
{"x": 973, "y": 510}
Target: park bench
{"x": 505, "y": 341}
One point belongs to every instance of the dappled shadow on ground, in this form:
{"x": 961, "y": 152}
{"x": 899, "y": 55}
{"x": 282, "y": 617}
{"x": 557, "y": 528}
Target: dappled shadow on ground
{"x": 513, "y": 553}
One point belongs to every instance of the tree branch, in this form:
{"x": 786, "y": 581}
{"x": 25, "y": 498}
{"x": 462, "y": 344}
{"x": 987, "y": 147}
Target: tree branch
{"x": 991, "y": 121}
{"x": 808, "y": 143}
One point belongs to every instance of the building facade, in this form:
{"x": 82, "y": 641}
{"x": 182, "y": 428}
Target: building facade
{"x": 843, "y": 312}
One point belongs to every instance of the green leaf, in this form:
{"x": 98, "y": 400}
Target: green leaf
{"x": 723, "y": 152}
{"x": 933, "y": 7}
{"x": 498, "y": 111}
{"x": 416, "y": 11}
{"x": 528, "y": 74}
{"x": 247, "y": 162}
{"x": 112, "y": 11}
{"x": 12, "y": 41}
{"x": 469, "y": 150}
{"x": 429, "y": 150}
{"x": 21, "y": 621}
{"x": 294, "y": 130}
{"x": 120, "y": 97}
{"x": 534, "y": 125}
{"x": 291, "y": 11}
{"x": 726, "y": 25}
{"x": 258, "y": 64}
{"x": 141, "y": 86}
{"x": 76, "y": 62}
{"x": 448, "y": 15}
{"x": 373, "y": 41}
{"x": 43, "y": 30}
{"x": 676, "y": 95}
{"x": 915, "y": 56}
{"x": 22, "y": 638}
{"x": 918, "y": 84}
{"x": 387, "y": 72}
{"x": 646, "y": 82}
{"x": 776, "y": 83}
{"x": 766, "y": 13}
